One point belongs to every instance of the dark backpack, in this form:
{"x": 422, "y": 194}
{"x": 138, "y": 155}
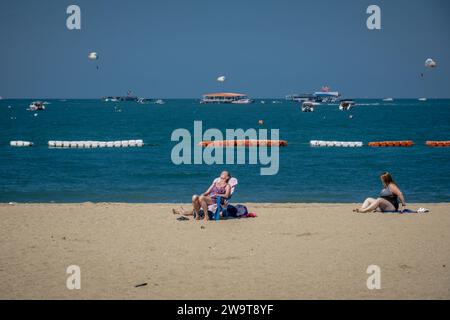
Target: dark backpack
{"x": 241, "y": 210}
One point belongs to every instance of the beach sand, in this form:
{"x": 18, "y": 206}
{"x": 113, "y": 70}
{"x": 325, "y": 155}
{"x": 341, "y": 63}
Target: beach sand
{"x": 290, "y": 251}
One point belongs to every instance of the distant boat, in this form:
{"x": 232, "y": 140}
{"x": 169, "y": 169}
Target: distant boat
{"x": 422, "y": 99}
{"x": 159, "y": 101}
{"x": 143, "y": 100}
{"x": 346, "y": 105}
{"x": 128, "y": 97}
{"x": 36, "y": 106}
{"x": 308, "y": 106}
{"x": 110, "y": 99}
{"x": 388, "y": 99}
{"x": 243, "y": 101}
{"x": 300, "y": 97}
{"x": 225, "y": 97}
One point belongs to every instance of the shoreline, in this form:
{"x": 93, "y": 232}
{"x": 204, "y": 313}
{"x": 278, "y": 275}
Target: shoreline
{"x": 290, "y": 251}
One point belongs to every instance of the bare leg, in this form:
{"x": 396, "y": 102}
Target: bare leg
{"x": 204, "y": 202}
{"x": 365, "y": 204}
{"x": 381, "y": 203}
{"x": 196, "y": 204}
{"x": 183, "y": 212}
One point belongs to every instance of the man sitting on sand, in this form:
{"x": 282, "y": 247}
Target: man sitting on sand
{"x": 219, "y": 188}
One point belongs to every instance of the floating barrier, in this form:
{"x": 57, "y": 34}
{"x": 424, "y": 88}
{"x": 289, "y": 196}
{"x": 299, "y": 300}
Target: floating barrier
{"x": 407, "y": 143}
{"x": 244, "y": 143}
{"x": 95, "y": 144}
{"x": 438, "y": 143}
{"x": 341, "y": 144}
{"x": 21, "y": 143}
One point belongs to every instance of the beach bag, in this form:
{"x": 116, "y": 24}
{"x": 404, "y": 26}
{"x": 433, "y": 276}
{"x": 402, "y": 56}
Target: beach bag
{"x": 230, "y": 211}
{"x": 241, "y": 210}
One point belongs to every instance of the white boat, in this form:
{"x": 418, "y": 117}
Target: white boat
{"x": 235, "y": 98}
{"x": 388, "y": 99}
{"x": 36, "y": 106}
{"x": 144, "y": 101}
{"x": 159, "y": 101}
{"x": 422, "y": 99}
{"x": 242, "y": 101}
{"x": 308, "y": 106}
{"x": 346, "y": 105}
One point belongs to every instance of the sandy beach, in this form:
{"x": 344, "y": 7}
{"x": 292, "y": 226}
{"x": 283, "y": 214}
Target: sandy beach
{"x": 290, "y": 251}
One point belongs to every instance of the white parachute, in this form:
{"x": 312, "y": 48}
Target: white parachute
{"x": 93, "y": 56}
{"x": 221, "y": 79}
{"x": 430, "y": 63}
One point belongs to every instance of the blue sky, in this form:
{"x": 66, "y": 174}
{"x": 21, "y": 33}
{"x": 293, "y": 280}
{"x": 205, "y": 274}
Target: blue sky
{"x": 177, "y": 48}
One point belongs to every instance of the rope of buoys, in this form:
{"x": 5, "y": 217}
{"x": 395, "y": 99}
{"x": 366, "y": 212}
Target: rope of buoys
{"x": 341, "y": 144}
{"x": 438, "y": 143}
{"x": 21, "y": 143}
{"x": 96, "y": 144}
{"x": 407, "y": 143}
{"x": 244, "y": 143}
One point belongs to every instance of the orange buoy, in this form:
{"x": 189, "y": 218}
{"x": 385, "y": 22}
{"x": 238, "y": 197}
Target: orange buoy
{"x": 438, "y": 143}
{"x": 407, "y": 143}
{"x": 244, "y": 143}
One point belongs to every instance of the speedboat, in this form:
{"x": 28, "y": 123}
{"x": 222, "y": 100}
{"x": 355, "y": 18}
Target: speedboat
{"x": 36, "y": 106}
{"x": 110, "y": 99}
{"x": 346, "y": 105}
{"x": 308, "y": 106}
{"x": 143, "y": 100}
{"x": 242, "y": 101}
{"x": 422, "y": 99}
{"x": 159, "y": 101}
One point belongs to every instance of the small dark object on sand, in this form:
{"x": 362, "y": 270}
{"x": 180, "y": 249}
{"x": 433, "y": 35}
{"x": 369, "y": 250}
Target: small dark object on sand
{"x": 202, "y": 227}
{"x": 140, "y": 285}
{"x": 182, "y": 219}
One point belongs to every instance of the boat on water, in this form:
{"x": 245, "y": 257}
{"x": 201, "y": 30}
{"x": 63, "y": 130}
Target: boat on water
{"x": 422, "y": 99}
{"x": 110, "y": 99}
{"x": 346, "y": 104}
{"x": 225, "y": 98}
{"x": 129, "y": 97}
{"x": 300, "y": 97}
{"x": 308, "y": 106}
{"x": 159, "y": 101}
{"x": 144, "y": 101}
{"x": 36, "y": 106}
{"x": 327, "y": 96}
{"x": 388, "y": 99}
{"x": 322, "y": 96}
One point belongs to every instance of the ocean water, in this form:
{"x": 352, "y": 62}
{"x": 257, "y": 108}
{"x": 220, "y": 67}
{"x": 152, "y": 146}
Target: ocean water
{"x": 147, "y": 174}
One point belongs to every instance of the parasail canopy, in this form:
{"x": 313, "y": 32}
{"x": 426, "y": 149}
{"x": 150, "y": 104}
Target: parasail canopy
{"x": 93, "y": 56}
{"x": 430, "y": 63}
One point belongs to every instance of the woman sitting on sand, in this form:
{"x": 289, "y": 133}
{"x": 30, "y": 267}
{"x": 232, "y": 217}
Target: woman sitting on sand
{"x": 221, "y": 188}
{"x": 388, "y": 200}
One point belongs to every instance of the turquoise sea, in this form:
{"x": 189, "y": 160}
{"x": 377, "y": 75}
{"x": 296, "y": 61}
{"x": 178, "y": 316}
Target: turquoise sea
{"x": 147, "y": 174}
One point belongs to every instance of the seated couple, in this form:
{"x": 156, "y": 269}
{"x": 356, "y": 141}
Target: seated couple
{"x": 222, "y": 187}
{"x": 389, "y": 200}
